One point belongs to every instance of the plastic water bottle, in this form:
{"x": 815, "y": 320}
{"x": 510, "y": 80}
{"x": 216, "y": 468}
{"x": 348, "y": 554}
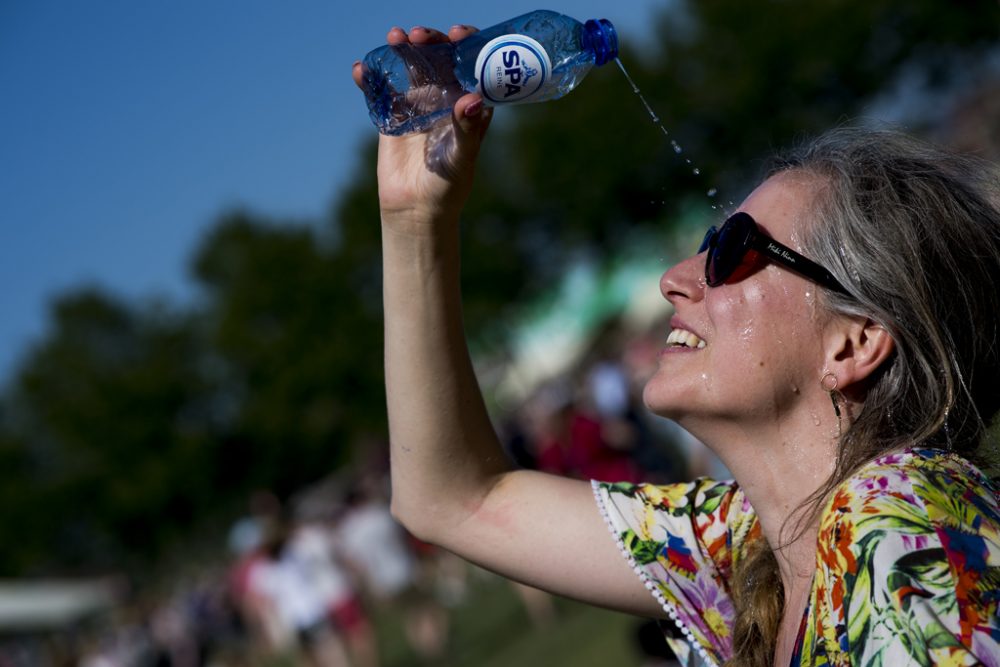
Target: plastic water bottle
{"x": 532, "y": 58}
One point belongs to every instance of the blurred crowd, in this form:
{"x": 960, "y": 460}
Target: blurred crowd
{"x": 306, "y": 577}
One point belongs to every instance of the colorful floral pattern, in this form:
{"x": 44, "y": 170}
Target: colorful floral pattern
{"x": 907, "y": 564}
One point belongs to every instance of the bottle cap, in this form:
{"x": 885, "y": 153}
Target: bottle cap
{"x": 600, "y": 37}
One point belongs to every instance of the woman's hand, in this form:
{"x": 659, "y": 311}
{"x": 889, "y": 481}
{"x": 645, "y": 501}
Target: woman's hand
{"x": 425, "y": 177}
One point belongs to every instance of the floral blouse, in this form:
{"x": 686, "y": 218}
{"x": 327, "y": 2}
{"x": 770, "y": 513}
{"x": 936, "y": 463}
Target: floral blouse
{"x": 907, "y": 564}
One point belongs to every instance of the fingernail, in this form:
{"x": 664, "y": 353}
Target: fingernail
{"x": 418, "y": 27}
{"x": 355, "y": 64}
{"x": 474, "y": 108}
{"x": 459, "y": 26}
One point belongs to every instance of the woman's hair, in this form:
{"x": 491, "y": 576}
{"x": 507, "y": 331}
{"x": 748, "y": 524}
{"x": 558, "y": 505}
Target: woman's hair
{"x": 913, "y": 233}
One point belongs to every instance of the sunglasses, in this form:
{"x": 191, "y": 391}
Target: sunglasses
{"x": 728, "y": 245}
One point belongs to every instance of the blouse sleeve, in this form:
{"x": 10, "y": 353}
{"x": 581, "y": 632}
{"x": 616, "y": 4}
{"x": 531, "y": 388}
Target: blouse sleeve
{"x": 682, "y": 540}
{"x": 911, "y": 563}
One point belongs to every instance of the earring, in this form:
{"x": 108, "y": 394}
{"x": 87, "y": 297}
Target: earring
{"x": 829, "y": 383}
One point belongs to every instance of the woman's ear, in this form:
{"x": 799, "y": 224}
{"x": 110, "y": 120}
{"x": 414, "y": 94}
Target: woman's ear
{"x": 855, "y": 348}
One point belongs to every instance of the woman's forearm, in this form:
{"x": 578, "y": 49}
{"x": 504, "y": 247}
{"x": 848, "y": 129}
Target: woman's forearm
{"x": 445, "y": 455}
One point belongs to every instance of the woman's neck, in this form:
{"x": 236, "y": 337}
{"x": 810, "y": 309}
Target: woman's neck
{"x": 779, "y": 466}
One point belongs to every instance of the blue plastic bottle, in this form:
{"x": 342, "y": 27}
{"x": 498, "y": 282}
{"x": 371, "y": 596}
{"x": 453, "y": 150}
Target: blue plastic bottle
{"x": 532, "y": 58}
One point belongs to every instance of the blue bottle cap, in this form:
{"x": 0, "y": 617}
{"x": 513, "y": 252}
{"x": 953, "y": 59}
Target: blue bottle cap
{"x": 600, "y": 37}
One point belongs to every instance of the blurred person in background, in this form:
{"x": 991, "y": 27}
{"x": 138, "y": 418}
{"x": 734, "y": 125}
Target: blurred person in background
{"x": 392, "y": 573}
{"x": 297, "y": 586}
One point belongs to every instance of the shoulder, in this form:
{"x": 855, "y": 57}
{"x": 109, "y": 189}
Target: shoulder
{"x": 703, "y": 502}
{"x": 920, "y": 490}
{"x": 910, "y": 550}
{"x": 704, "y": 519}
{"x": 918, "y": 501}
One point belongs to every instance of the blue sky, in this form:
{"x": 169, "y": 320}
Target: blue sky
{"x": 126, "y": 127}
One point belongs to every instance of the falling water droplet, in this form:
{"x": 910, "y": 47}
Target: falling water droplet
{"x": 712, "y": 192}
{"x": 656, "y": 121}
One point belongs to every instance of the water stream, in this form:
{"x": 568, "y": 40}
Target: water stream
{"x": 711, "y": 192}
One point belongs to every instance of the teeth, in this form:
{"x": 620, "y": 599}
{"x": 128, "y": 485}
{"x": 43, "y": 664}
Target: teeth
{"x": 685, "y": 338}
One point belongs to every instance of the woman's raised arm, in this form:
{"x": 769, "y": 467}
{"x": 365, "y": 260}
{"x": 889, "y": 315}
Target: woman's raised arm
{"x": 451, "y": 482}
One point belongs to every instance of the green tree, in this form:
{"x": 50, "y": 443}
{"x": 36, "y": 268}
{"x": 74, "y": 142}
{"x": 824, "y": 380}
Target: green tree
{"x": 298, "y": 343}
{"x": 108, "y": 434}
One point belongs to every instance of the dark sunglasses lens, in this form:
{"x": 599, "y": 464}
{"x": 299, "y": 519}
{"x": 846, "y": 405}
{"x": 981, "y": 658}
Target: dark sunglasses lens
{"x": 728, "y": 251}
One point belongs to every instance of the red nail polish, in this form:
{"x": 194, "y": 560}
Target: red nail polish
{"x": 474, "y": 108}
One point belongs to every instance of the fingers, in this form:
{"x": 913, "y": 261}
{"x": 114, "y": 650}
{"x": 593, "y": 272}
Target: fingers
{"x": 471, "y": 116}
{"x": 468, "y": 106}
{"x": 396, "y": 36}
{"x": 356, "y": 74}
{"x": 460, "y": 31}
{"x": 465, "y": 113}
{"x": 422, "y": 35}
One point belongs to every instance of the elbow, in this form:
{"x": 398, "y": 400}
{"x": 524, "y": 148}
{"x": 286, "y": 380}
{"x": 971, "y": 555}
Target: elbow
{"x": 413, "y": 520}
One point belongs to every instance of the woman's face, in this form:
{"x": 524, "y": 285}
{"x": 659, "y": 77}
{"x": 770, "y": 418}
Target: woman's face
{"x": 756, "y": 340}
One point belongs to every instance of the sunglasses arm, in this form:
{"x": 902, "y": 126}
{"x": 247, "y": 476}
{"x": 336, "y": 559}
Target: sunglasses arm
{"x": 788, "y": 258}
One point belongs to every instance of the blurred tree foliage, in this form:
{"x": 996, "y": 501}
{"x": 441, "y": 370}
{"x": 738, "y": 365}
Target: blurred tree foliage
{"x": 108, "y": 442}
{"x": 295, "y": 332}
{"x": 129, "y": 425}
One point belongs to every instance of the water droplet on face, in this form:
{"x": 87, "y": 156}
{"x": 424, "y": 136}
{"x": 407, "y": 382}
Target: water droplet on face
{"x": 706, "y": 381}
{"x": 747, "y": 335}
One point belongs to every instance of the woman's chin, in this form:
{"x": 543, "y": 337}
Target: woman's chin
{"x": 661, "y": 401}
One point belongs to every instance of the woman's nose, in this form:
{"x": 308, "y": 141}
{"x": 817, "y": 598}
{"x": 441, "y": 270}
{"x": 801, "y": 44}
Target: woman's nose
{"x": 684, "y": 280}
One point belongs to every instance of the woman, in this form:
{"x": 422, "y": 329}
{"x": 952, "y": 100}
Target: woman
{"x": 847, "y": 394}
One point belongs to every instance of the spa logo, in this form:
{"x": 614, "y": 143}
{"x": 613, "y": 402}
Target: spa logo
{"x": 512, "y": 68}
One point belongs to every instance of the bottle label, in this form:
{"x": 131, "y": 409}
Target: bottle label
{"x": 512, "y": 68}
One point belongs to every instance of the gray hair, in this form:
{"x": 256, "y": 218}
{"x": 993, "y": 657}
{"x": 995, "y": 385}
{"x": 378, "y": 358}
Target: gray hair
{"x": 913, "y": 233}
